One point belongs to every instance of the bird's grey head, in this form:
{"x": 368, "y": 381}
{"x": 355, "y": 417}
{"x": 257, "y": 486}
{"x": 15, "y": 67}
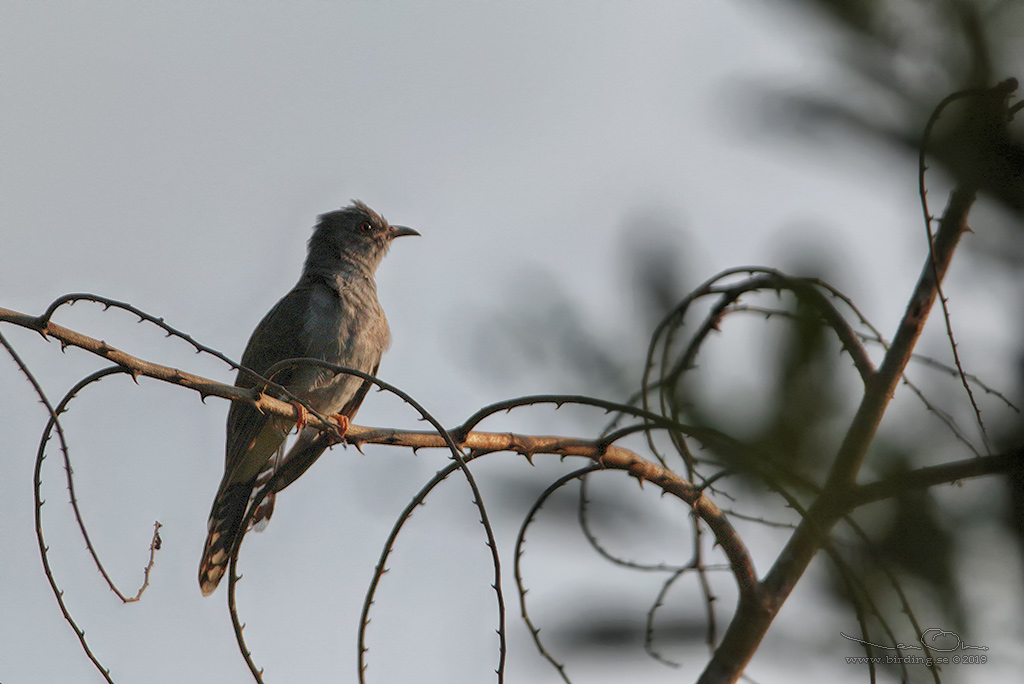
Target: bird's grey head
{"x": 353, "y": 238}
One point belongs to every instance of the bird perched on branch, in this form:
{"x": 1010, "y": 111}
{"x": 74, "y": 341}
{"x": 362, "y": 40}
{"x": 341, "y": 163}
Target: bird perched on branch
{"x": 332, "y": 314}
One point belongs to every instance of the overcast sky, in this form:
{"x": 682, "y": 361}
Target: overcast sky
{"x": 175, "y": 156}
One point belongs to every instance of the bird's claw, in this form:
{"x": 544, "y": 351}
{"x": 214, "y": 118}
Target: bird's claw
{"x": 343, "y": 423}
{"x": 301, "y": 410}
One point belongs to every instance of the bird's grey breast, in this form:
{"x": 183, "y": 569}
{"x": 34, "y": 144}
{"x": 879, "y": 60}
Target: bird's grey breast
{"x": 344, "y": 325}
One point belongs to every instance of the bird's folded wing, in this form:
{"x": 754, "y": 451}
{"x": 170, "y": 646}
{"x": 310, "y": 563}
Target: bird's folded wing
{"x": 252, "y": 436}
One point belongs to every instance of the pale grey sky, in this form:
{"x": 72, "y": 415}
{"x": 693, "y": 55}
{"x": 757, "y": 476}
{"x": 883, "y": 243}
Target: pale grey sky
{"x": 175, "y": 156}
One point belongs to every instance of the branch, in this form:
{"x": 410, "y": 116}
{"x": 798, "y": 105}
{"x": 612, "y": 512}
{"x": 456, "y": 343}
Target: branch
{"x": 752, "y": 619}
{"x": 37, "y": 483}
{"x": 136, "y": 367}
{"x": 605, "y": 455}
{"x": 947, "y": 473}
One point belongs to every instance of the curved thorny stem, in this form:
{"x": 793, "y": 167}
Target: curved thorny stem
{"x": 154, "y": 544}
{"x": 991, "y": 106}
{"x": 751, "y": 621}
{"x": 604, "y": 454}
{"x": 660, "y": 416}
{"x": 37, "y": 483}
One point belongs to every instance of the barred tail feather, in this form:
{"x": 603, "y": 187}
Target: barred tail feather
{"x": 261, "y": 516}
{"x": 225, "y": 528}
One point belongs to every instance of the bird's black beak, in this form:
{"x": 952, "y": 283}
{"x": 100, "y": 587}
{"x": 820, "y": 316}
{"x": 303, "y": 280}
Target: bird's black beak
{"x": 399, "y": 231}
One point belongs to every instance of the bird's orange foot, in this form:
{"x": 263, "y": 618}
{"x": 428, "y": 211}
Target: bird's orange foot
{"x": 343, "y": 423}
{"x": 301, "y": 410}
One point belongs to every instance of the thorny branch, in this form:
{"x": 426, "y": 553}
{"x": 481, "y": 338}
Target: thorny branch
{"x": 759, "y": 599}
{"x": 604, "y": 454}
{"x": 608, "y": 456}
{"x": 39, "y": 501}
{"x": 752, "y": 620}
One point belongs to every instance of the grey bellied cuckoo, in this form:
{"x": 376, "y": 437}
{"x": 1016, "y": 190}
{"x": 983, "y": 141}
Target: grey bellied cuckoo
{"x": 332, "y": 314}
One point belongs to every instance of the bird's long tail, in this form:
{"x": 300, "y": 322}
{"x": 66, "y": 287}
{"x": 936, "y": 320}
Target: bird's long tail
{"x": 225, "y": 528}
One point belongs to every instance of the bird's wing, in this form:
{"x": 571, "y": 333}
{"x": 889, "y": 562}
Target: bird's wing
{"x": 252, "y": 437}
{"x": 353, "y": 404}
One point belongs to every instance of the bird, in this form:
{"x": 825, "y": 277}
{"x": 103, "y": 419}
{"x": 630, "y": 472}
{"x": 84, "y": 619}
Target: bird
{"x": 332, "y": 314}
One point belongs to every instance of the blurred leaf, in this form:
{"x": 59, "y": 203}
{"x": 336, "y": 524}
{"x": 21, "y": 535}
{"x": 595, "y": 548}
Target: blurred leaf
{"x": 804, "y": 396}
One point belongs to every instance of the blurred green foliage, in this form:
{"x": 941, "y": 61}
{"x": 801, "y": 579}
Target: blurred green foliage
{"x": 899, "y": 59}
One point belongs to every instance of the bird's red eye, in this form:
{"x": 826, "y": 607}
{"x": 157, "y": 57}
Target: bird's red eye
{"x": 364, "y": 226}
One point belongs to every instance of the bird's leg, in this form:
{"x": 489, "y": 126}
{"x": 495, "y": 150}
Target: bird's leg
{"x": 301, "y": 410}
{"x": 343, "y": 423}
